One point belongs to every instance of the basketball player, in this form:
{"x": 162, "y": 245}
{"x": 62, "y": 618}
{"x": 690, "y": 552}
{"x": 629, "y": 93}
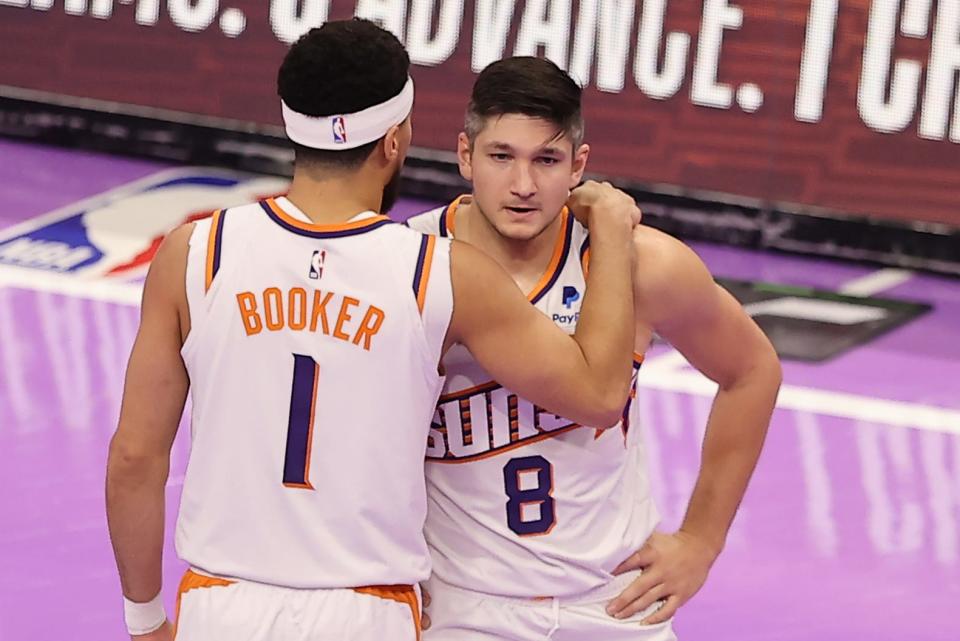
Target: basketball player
{"x": 309, "y": 330}
{"x": 539, "y": 528}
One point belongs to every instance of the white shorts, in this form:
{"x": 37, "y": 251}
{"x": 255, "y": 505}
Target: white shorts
{"x": 214, "y": 609}
{"x": 461, "y": 615}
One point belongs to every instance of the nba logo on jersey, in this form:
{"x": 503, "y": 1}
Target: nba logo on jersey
{"x": 570, "y": 296}
{"x": 339, "y": 130}
{"x": 316, "y": 264}
{"x": 116, "y": 234}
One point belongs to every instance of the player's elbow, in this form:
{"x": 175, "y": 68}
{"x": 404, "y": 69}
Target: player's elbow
{"x": 127, "y": 462}
{"x": 591, "y": 408}
{"x": 609, "y": 407}
{"x": 766, "y": 367}
{"x": 613, "y": 413}
{"x": 775, "y": 371}
{"x": 760, "y": 370}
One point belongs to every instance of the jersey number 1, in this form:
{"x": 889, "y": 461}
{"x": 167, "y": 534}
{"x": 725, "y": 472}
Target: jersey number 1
{"x": 541, "y": 495}
{"x": 303, "y": 404}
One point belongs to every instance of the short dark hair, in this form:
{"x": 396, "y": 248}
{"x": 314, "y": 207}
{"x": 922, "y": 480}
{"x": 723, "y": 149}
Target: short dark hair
{"x": 342, "y": 67}
{"x": 530, "y": 86}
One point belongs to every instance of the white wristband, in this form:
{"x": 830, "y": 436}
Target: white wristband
{"x": 144, "y": 618}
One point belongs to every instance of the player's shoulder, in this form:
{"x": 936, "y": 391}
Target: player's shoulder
{"x": 666, "y": 269}
{"x": 167, "y": 273}
{"x": 251, "y": 213}
{"x": 409, "y": 243}
{"x": 657, "y": 252}
{"x": 428, "y": 222}
{"x": 259, "y": 206}
{"x": 654, "y": 245}
{"x": 175, "y": 244}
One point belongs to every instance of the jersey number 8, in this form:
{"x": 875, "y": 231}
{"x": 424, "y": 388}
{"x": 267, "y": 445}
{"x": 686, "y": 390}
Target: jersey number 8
{"x": 524, "y": 500}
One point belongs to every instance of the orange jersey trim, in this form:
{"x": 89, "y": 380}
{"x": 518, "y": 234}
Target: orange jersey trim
{"x": 448, "y": 216}
{"x": 293, "y": 222}
{"x": 470, "y": 391}
{"x": 506, "y": 448}
{"x": 192, "y": 581}
{"x": 212, "y": 247}
{"x": 398, "y": 593}
{"x": 556, "y": 260}
{"x": 448, "y": 220}
{"x": 425, "y": 274}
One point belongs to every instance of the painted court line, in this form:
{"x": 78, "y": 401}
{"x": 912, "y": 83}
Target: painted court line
{"x": 817, "y": 401}
{"x": 876, "y": 282}
{"x": 100, "y": 289}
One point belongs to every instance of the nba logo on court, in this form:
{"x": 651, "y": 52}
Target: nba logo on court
{"x": 316, "y": 264}
{"x": 115, "y": 234}
{"x": 570, "y": 296}
{"x": 339, "y": 129}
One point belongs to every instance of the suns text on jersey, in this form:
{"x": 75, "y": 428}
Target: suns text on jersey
{"x": 485, "y": 420}
{"x": 295, "y": 309}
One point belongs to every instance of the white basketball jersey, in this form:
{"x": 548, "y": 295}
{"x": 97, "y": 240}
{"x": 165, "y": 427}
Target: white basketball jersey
{"x": 524, "y": 503}
{"x": 313, "y": 357}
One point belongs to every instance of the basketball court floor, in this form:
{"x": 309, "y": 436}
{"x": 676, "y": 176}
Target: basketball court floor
{"x": 850, "y": 530}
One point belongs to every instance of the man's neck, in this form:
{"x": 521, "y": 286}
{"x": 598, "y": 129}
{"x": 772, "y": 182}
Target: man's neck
{"x": 335, "y": 199}
{"x": 524, "y": 260}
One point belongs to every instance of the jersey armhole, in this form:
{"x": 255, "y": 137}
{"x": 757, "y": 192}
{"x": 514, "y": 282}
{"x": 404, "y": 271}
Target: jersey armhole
{"x": 196, "y": 278}
{"x": 433, "y": 291}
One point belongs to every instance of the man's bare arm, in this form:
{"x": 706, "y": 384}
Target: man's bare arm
{"x": 154, "y": 395}
{"x": 584, "y": 378}
{"x": 676, "y": 296}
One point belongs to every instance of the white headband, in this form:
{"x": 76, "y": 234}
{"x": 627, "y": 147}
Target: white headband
{"x": 349, "y": 130}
